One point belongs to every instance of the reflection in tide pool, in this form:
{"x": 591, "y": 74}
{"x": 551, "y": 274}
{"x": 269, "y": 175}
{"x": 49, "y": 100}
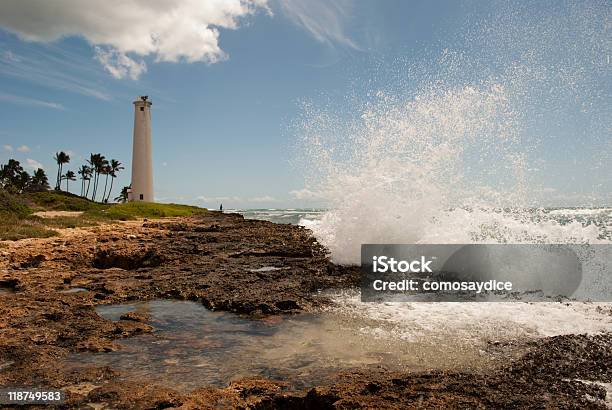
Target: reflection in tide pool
{"x": 192, "y": 347}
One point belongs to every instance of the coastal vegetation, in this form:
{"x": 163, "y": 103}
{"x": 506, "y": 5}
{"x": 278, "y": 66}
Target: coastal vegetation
{"x": 20, "y": 215}
{"x": 26, "y": 200}
{"x": 97, "y": 166}
{"x": 14, "y": 179}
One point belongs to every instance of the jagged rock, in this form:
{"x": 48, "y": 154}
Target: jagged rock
{"x": 212, "y": 258}
{"x": 135, "y": 316}
{"x": 33, "y": 262}
{"x": 115, "y": 258}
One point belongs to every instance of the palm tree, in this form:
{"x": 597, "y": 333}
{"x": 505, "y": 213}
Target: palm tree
{"x": 123, "y": 196}
{"x": 93, "y": 159}
{"x": 106, "y": 170}
{"x": 90, "y": 161}
{"x": 22, "y": 182}
{"x": 10, "y": 175}
{"x": 98, "y": 163}
{"x": 61, "y": 158}
{"x": 70, "y": 176}
{"x": 103, "y": 163}
{"x": 115, "y": 166}
{"x": 85, "y": 173}
{"x": 39, "y": 181}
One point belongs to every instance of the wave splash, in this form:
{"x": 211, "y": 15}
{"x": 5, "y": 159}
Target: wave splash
{"x": 448, "y": 159}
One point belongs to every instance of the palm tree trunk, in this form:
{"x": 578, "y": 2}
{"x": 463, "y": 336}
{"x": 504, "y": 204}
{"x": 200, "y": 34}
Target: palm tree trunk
{"x": 93, "y": 191}
{"x": 87, "y": 191}
{"x": 57, "y": 177}
{"x": 105, "y": 183}
{"x": 110, "y": 189}
{"x": 97, "y": 183}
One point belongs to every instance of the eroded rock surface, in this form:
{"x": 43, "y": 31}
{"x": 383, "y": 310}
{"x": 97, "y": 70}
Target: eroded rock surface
{"x": 224, "y": 262}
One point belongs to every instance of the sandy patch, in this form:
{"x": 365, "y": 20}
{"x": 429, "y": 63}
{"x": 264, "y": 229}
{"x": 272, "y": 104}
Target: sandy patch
{"x": 55, "y": 214}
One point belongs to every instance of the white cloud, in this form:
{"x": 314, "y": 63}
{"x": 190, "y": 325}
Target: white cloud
{"x": 8, "y": 148}
{"x": 305, "y": 194}
{"x": 118, "y": 64}
{"x": 8, "y": 55}
{"x": 51, "y": 66}
{"x": 168, "y": 30}
{"x": 265, "y": 198}
{"x": 17, "y": 99}
{"x": 23, "y": 148}
{"x": 325, "y": 20}
{"x": 33, "y": 164}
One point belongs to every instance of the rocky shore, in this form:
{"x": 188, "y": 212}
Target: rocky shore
{"x": 220, "y": 260}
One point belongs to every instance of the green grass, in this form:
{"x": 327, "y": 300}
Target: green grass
{"x": 13, "y": 205}
{"x": 59, "y": 201}
{"x": 17, "y": 221}
{"x": 14, "y": 227}
{"x": 133, "y": 210}
{"x": 67, "y": 222}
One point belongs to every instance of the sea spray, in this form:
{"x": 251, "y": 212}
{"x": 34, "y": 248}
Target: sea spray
{"x": 456, "y": 157}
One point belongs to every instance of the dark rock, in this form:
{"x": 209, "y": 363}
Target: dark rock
{"x": 9, "y": 284}
{"x": 287, "y": 305}
{"x": 210, "y": 228}
{"x": 135, "y": 316}
{"x": 109, "y": 258}
{"x": 33, "y": 262}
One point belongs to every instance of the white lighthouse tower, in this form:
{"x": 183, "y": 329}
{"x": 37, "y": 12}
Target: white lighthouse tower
{"x": 142, "y": 163}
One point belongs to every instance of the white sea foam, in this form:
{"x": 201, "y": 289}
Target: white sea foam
{"x": 473, "y": 321}
{"x": 599, "y": 211}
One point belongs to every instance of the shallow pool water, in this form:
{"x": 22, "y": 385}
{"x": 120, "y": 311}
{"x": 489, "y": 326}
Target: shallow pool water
{"x": 193, "y": 346}
{"x": 74, "y": 290}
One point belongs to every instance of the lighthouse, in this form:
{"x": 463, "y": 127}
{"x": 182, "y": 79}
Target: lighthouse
{"x": 142, "y": 163}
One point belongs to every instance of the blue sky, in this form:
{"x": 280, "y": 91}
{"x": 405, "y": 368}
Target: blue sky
{"x": 224, "y": 97}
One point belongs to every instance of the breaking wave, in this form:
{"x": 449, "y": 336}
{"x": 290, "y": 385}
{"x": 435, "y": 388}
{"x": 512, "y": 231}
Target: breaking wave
{"x": 458, "y": 149}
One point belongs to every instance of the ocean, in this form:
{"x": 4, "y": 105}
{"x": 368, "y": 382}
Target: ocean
{"x": 462, "y": 145}
{"x": 294, "y": 216}
{"x": 430, "y": 325}
{"x": 600, "y": 218}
